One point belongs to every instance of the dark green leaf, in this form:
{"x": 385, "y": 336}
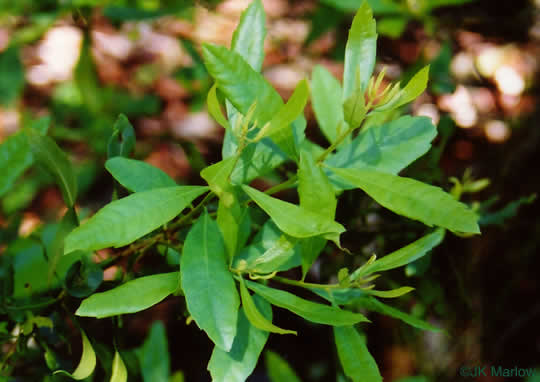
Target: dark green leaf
{"x": 138, "y": 176}
{"x": 210, "y": 290}
{"x": 311, "y": 311}
{"x": 372, "y": 304}
{"x": 47, "y": 152}
{"x": 122, "y": 140}
{"x": 413, "y": 199}
{"x": 360, "y": 50}
{"x": 11, "y": 75}
{"x": 56, "y": 249}
{"x": 357, "y": 363}
{"x": 278, "y": 369}
{"x": 239, "y": 363}
{"x": 153, "y": 355}
{"x": 15, "y": 158}
{"x": 83, "y": 278}
{"x": 145, "y": 211}
{"x": 87, "y": 81}
{"x": 507, "y": 212}
{"x": 131, "y": 297}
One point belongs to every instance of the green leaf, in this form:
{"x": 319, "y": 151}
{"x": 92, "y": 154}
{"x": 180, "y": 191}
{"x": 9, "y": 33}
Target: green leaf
{"x": 402, "y": 256}
{"x": 131, "y": 297}
{"x": 211, "y": 296}
{"x": 354, "y": 108}
{"x": 380, "y": 7}
{"x": 357, "y": 363}
{"x": 342, "y": 296}
{"x": 326, "y": 96}
{"x": 255, "y": 317}
{"x": 119, "y": 371}
{"x": 47, "y": 152}
{"x": 292, "y": 219}
{"x": 234, "y": 221}
{"x": 153, "y": 355}
{"x": 83, "y": 277}
{"x": 56, "y": 249}
{"x": 314, "y": 188}
{"x": 398, "y": 292}
{"x": 122, "y": 141}
{"x": 87, "y": 364}
{"x": 372, "y": 304}
{"x": 311, "y": 311}
{"x": 87, "y": 81}
{"x": 279, "y": 129}
{"x": 215, "y": 109}
{"x": 413, "y": 199}
{"x": 310, "y": 249}
{"x": 360, "y": 50}
{"x": 248, "y": 38}
{"x": 239, "y": 363}
{"x": 11, "y": 75}
{"x": 414, "y": 87}
{"x": 240, "y": 83}
{"x": 271, "y": 251}
{"x": 387, "y": 148}
{"x": 278, "y": 369}
{"x": 217, "y": 176}
{"x": 392, "y": 26}
{"x": 145, "y": 211}
{"x": 136, "y": 175}
{"x": 15, "y": 158}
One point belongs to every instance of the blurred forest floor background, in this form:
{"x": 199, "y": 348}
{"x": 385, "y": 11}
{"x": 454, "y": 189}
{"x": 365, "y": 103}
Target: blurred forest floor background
{"x": 83, "y": 62}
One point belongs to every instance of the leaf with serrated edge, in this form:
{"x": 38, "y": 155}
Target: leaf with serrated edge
{"x": 136, "y": 175}
{"x": 145, "y": 211}
{"x": 413, "y": 199}
{"x": 211, "y": 295}
{"x": 311, "y": 311}
{"x": 87, "y": 363}
{"x": 357, "y": 363}
{"x": 131, "y": 297}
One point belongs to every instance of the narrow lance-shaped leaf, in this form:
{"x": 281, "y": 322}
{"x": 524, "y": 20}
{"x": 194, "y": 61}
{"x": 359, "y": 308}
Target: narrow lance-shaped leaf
{"x": 292, "y": 219}
{"x": 354, "y": 107}
{"x": 413, "y": 199}
{"x": 278, "y": 369}
{"x": 131, "y": 297}
{"x": 414, "y": 87}
{"x": 357, "y": 363}
{"x": 255, "y": 317}
{"x": 393, "y": 293}
{"x": 238, "y": 364}
{"x": 15, "y": 158}
{"x": 215, "y": 109}
{"x": 402, "y": 256}
{"x": 248, "y": 37}
{"x": 136, "y": 175}
{"x": 122, "y": 140}
{"x": 119, "y": 371}
{"x": 360, "y": 50}
{"x": 279, "y": 129}
{"x": 153, "y": 355}
{"x": 87, "y": 364}
{"x": 145, "y": 211}
{"x": 311, "y": 311}
{"x": 86, "y": 79}
{"x": 211, "y": 295}
{"x": 56, "y": 249}
{"x": 372, "y": 304}
{"x": 47, "y": 152}
{"x": 326, "y": 100}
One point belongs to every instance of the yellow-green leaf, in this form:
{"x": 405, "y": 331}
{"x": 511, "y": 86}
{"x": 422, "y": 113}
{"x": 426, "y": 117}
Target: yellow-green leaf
{"x": 119, "y": 371}
{"x": 87, "y": 363}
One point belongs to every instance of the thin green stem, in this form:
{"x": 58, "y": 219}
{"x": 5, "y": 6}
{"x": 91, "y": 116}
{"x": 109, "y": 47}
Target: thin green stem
{"x": 302, "y": 284}
{"x": 191, "y": 213}
{"x": 282, "y": 186}
{"x": 333, "y": 146}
